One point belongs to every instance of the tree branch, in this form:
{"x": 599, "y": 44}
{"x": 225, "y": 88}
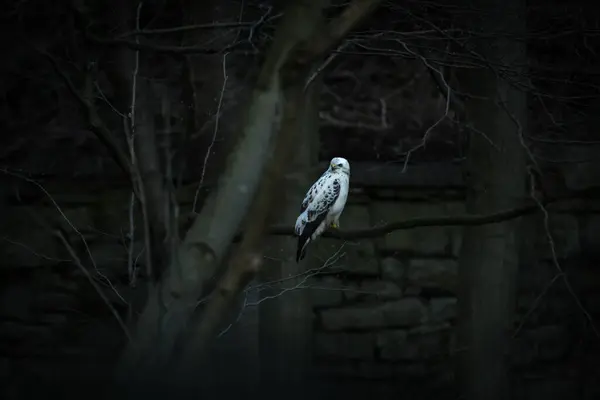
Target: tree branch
{"x": 94, "y": 122}
{"x": 457, "y": 220}
{"x": 324, "y": 41}
{"x": 81, "y": 20}
{"x": 197, "y": 27}
{"x": 95, "y": 285}
{"x": 177, "y": 50}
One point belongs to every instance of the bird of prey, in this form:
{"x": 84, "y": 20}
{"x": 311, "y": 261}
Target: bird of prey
{"x": 323, "y": 204}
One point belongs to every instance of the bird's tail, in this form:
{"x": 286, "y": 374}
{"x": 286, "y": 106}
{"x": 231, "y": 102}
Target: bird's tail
{"x": 301, "y": 249}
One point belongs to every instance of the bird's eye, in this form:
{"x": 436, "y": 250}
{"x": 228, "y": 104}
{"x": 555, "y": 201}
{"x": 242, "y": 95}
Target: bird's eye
{"x": 339, "y": 165}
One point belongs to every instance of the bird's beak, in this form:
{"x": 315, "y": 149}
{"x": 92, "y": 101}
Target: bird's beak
{"x": 333, "y": 166}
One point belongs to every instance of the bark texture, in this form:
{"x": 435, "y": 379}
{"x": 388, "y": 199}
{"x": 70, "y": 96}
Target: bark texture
{"x": 169, "y": 340}
{"x": 286, "y": 320}
{"x": 496, "y": 179}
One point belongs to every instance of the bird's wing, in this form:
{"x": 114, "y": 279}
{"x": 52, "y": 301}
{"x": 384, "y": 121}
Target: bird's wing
{"x": 323, "y": 200}
{"x": 309, "y": 223}
{"x": 317, "y": 209}
{"x": 314, "y": 190}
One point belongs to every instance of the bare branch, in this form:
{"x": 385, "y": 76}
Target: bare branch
{"x": 176, "y": 50}
{"x": 130, "y": 137}
{"x": 69, "y": 223}
{"x": 94, "y": 121}
{"x": 197, "y": 27}
{"x": 32, "y": 251}
{"x": 215, "y": 131}
{"x": 459, "y": 220}
{"x": 328, "y": 61}
{"x": 559, "y": 274}
{"x": 339, "y": 27}
{"x": 300, "y": 285}
{"x": 84, "y": 270}
{"x": 446, "y": 110}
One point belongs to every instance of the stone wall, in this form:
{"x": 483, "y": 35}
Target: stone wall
{"x": 384, "y": 308}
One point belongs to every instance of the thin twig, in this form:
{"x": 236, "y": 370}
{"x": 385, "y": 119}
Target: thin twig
{"x": 132, "y": 271}
{"x": 439, "y": 121}
{"x": 324, "y": 65}
{"x": 83, "y": 269}
{"x": 301, "y": 285}
{"x": 557, "y": 263}
{"x": 68, "y": 221}
{"x": 215, "y": 131}
{"x": 94, "y": 121}
{"x": 541, "y": 206}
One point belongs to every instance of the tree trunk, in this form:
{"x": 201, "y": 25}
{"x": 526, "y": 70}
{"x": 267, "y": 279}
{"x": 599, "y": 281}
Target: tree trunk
{"x": 286, "y": 319}
{"x": 168, "y": 344}
{"x": 146, "y": 360}
{"x": 133, "y": 97}
{"x": 496, "y": 180}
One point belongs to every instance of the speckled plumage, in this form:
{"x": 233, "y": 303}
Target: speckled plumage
{"x": 323, "y": 204}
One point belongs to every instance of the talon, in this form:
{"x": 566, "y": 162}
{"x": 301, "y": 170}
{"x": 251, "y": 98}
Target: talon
{"x": 334, "y": 225}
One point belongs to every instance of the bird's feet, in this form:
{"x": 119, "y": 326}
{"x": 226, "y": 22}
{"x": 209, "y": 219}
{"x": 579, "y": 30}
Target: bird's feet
{"x": 334, "y": 225}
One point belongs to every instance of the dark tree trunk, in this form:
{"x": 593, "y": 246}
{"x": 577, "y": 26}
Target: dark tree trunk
{"x": 496, "y": 179}
{"x": 286, "y": 320}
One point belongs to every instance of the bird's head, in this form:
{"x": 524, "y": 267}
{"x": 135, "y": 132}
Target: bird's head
{"x": 339, "y": 164}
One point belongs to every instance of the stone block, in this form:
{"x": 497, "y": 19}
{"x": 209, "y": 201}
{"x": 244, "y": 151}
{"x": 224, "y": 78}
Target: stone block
{"x": 433, "y": 273}
{"x": 393, "y": 344}
{"x": 412, "y": 345}
{"x": 406, "y": 312}
{"x": 326, "y": 291}
{"x": 425, "y": 240}
{"x": 351, "y": 291}
{"x": 380, "y": 289}
{"x": 355, "y": 216}
{"x": 345, "y": 345}
{"x": 393, "y": 270}
{"x": 362, "y": 317}
{"x": 443, "y": 309}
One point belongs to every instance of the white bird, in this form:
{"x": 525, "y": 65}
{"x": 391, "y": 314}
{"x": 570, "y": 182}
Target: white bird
{"x": 323, "y": 204}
